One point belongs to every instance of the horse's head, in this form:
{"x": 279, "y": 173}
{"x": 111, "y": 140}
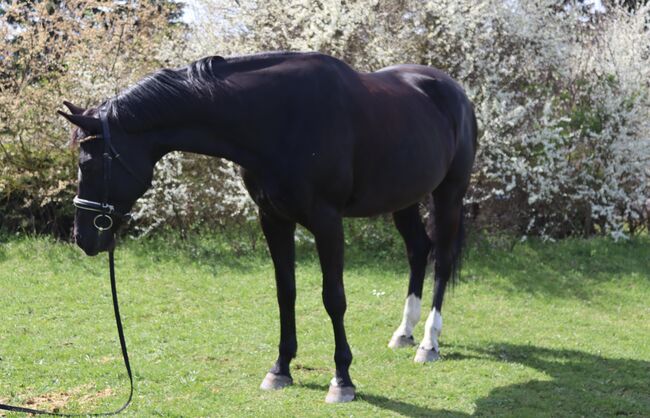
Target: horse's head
{"x": 114, "y": 171}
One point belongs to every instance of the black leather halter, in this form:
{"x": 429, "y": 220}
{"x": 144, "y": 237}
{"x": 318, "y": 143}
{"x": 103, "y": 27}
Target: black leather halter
{"x": 106, "y": 211}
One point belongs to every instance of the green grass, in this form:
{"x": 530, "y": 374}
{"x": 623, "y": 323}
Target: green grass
{"x": 546, "y": 329}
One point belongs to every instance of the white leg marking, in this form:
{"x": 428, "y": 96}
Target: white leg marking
{"x": 428, "y": 349}
{"x": 412, "y": 308}
{"x": 432, "y": 330}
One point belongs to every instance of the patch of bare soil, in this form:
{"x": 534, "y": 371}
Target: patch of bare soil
{"x": 56, "y": 401}
{"x": 49, "y": 401}
{"x": 91, "y": 398}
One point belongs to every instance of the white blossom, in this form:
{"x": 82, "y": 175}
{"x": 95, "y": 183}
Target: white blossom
{"x": 563, "y": 104}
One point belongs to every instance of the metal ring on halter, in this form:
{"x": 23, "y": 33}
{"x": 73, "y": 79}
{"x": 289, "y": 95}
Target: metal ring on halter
{"x": 103, "y": 228}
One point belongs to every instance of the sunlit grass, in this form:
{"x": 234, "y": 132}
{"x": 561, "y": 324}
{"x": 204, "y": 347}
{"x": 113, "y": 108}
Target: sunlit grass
{"x": 543, "y": 330}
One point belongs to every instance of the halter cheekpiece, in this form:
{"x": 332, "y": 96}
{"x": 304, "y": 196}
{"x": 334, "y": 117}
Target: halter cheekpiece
{"x": 106, "y": 212}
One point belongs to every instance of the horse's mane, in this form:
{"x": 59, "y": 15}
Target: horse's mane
{"x": 176, "y": 96}
{"x": 168, "y": 96}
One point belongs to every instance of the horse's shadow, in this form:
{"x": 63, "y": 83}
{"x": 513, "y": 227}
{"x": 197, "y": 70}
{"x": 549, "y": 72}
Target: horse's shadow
{"x": 579, "y": 384}
{"x": 383, "y": 402}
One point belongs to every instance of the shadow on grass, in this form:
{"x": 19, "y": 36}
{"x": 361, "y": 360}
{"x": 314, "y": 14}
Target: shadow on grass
{"x": 202, "y": 249}
{"x": 571, "y": 268}
{"x": 383, "y": 402}
{"x": 580, "y": 384}
{"x": 228, "y": 249}
{"x": 568, "y": 269}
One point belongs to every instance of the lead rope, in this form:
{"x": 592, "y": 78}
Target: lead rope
{"x": 125, "y": 355}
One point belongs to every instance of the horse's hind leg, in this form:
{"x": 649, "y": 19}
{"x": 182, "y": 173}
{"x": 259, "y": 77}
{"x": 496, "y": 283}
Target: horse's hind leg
{"x": 418, "y": 245}
{"x": 279, "y": 236}
{"x": 448, "y": 201}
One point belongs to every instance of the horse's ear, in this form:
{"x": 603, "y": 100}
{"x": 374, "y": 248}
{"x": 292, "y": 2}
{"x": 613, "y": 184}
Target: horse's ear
{"x": 87, "y": 123}
{"x": 75, "y": 110}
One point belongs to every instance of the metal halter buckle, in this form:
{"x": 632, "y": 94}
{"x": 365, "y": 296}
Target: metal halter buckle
{"x": 101, "y": 228}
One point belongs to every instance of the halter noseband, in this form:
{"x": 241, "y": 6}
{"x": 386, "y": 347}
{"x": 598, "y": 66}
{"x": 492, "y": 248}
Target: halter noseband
{"x": 105, "y": 211}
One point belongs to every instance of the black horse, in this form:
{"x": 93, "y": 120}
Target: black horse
{"x": 316, "y": 141}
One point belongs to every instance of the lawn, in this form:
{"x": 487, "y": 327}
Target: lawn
{"x": 542, "y": 329}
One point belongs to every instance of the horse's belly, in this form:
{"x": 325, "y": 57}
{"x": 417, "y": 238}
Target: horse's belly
{"x": 364, "y": 208}
{"x": 389, "y": 190}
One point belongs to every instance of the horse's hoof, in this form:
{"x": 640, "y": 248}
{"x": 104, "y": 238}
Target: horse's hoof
{"x": 424, "y": 355}
{"x": 399, "y": 341}
{"x": 340, "y": 394}
{"x": 274, "y": 381}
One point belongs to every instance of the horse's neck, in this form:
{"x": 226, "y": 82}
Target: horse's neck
{"x": 209, "y": 140}
{"x": 231, "y": 130}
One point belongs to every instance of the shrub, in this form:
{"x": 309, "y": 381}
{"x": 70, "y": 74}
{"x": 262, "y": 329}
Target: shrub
{"x": 560, "y": 88}
{"x": 561, "y": 93}
{"x": 83, "y": 51}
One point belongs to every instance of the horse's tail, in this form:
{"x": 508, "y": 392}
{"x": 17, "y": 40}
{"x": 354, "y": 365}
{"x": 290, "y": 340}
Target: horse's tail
{"x": 457, "y": 249}
{"x": 437, "y": 237}
{"x": 446, "y": 220}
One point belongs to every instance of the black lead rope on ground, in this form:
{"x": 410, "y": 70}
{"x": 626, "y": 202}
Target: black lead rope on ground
{"x": 125, "y": 355}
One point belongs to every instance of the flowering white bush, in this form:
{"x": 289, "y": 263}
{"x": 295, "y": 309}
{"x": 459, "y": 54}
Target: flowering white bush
{"x": 561, "y": 91}
{"x": 190, "y": 191}
{"x": 568, "y": 144}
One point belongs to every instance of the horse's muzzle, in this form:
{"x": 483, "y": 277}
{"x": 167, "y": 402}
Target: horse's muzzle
{"x": 93, "y": 244}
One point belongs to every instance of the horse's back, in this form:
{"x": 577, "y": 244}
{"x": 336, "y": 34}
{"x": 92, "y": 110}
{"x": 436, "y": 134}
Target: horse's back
{"x": 407, "y": 138}
{"x": 368, "y": 143}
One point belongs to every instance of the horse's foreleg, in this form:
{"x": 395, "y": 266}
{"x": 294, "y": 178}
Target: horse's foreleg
{"x": 327, "y": 227}
{"x": 418, "y": 245}
{"x": 280, "y": 239}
